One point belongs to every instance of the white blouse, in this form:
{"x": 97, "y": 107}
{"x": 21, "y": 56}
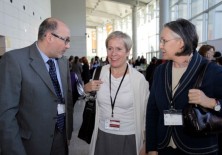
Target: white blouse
{"x": 123, "y": 108}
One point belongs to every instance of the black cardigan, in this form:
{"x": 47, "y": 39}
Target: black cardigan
{"x": 158, "y": 135}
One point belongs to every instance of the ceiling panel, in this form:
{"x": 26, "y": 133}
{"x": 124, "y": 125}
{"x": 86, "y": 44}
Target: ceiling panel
{"x": 99, "y": 12}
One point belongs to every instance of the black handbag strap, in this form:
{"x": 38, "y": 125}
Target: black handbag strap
{"x": 96, "y": 77}
{"x": 97, "y": 73}
{"x": 201, "y": 75}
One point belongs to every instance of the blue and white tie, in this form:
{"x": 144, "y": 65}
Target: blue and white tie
{"x": 52, "y": 72}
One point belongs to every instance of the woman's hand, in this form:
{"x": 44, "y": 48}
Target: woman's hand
{"x": 92, "y": 85}
{"x": 197, "y": 96}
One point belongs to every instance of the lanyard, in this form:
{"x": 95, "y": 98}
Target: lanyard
{"x": 111, "y": 100}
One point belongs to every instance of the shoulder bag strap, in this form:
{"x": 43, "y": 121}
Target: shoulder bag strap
{"x": 201, "y": 75}
{"x": 96, "y": 77}
{"x": 97, "y": 73}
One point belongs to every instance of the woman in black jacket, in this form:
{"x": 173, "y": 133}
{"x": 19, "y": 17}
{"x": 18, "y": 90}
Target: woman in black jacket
{"x": 85, "y": 70}
{"x": 172, "y": 90}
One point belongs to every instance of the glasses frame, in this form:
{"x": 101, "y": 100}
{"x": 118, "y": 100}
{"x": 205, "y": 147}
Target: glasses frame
{"x": 66, "y": 40}
{"x": 164, "y": 41}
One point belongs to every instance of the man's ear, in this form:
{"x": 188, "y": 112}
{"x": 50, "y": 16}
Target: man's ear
{"x": 48, "y": 36}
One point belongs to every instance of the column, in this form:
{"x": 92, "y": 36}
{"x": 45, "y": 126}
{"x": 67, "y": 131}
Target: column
{"x": 134, "y": 31}
{"x": 164, "y": 15}
{"x": 73, "y": 13}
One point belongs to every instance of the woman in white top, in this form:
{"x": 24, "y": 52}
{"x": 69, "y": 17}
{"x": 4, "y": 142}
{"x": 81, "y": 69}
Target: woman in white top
{"x": 122, "y": 94}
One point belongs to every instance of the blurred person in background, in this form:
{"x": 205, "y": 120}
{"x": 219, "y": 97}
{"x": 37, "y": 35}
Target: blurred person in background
{"x": 207, "y": 51}
{"x": 85, "y": 70}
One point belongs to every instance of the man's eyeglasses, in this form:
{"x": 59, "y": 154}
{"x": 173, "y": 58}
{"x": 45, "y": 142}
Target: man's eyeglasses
{"x": 66, "y": 40}
{"x": 164, "y": 41}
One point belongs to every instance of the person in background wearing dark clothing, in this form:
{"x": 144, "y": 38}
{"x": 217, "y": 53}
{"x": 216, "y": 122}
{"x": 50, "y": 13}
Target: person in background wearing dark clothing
{"x": 207, "y": 51}
{"x": 137, "y": 62}
{"x": 217, "y": 54}
{"x": 172, "y": 89}
{"x": 85, "y": 70}
{"x": 76, "y": 80}
{"x": 77, "y": 68}
{"x": 219, "y": 61}
{"x": 94, "y": 65}
{"x": 150, "y": 71}
{"x": 75, "y": 83}
{"x": 36, "y": 112}
{"x": 142, "y": 60}
{"x": 96, "y": 62}
{"x": 71, "y": 59}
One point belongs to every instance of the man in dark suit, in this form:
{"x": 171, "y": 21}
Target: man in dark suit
{"x": 30, "y": 104}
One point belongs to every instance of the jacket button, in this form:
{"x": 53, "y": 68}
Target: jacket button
{"x": 51, "y": 135}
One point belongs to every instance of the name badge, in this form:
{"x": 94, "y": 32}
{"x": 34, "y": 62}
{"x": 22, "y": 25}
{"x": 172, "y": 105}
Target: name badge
{"x": 112, "y": 124}
{"x": 173, "y": 117}
{"x": 61, "y": 108}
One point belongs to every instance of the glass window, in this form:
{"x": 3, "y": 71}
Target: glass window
{"x": 214, "y": 23}
{"x": 153, "y": 46}
{"x": 198, "y": 22}
{"x": 174, "y": 12}
{"x": 196, "y": 7}
{"x": 182, "y": 9}
{"x": 151, "y": 11}
{"x": 213, "y": 2}
{"x": 172, "y": 2}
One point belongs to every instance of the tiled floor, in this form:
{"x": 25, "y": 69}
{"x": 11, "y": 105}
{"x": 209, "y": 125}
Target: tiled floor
{"x": 77, "y": 146}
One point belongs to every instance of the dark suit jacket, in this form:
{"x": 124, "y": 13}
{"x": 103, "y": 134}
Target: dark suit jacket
{"x": 158, "y": 135}
{"x": 28, "y": 102}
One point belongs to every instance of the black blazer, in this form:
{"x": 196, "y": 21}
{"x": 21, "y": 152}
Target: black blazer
{"x": 158, "y": 135}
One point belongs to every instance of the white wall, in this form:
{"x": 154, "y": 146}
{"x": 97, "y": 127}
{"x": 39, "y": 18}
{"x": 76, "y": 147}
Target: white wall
{"x": 20, "y": 26}
{"x": 73, "y": 13}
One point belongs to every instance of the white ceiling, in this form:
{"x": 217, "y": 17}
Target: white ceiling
{"x": 99, "y": 12}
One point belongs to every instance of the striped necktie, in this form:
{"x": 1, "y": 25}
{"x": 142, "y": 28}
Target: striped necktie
{"x": 52, "y": 72}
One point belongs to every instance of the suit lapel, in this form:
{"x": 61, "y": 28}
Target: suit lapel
{"x": 38, "y": 65}
{"x": 63, "y": 73}
{"x": 189, "y": 74}
{"x": 185, "y": 79}
{"x": 168, "y": 80}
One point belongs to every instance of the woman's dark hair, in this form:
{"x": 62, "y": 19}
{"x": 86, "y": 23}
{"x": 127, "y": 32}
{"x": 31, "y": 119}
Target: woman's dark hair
{"x": 204, "y": 48}
{"x": 85, "y": 61}
{"x": 219, "y": 60}
{"x": 76, "y": 60}
{"x": 48, "y": 24}
{"x": 71, "y": 58}
{"x": 187, "y": 31}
